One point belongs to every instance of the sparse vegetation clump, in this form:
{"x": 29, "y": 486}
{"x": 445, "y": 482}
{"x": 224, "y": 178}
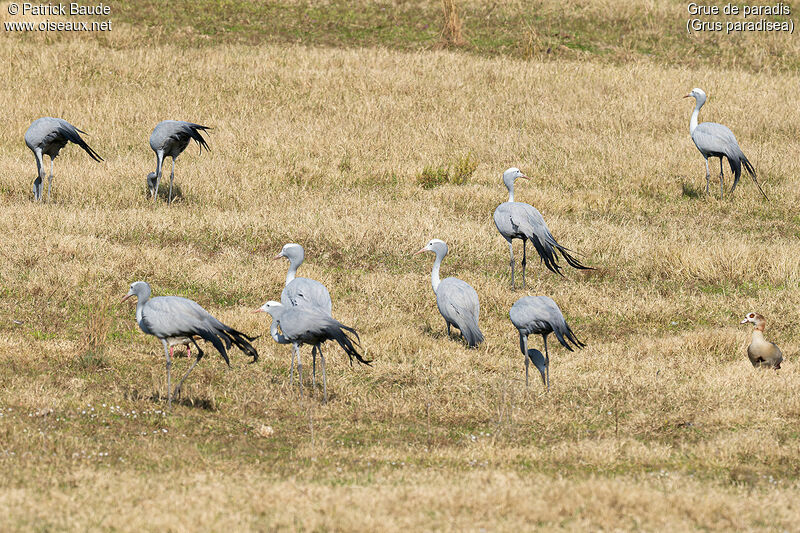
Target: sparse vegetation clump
{"x": 458, "y": 173}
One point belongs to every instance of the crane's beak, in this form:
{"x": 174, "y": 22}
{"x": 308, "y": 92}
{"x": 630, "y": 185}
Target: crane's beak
{"x": 259, "y": 310}
{"x": 125, "y": 298}
{"x": 278, "y": 256}
{"x": 688, "y": 96}
{"x": 419, "y": 252}
{"x": 523, "y": 176}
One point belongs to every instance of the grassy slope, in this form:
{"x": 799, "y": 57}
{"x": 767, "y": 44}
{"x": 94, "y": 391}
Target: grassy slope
{"x": 659, "y": 423}
{"x": 547, "y": 29}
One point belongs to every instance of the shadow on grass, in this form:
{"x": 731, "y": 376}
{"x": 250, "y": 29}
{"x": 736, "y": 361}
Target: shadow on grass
{"x": 690, "y": 191}
{"x": 163, "y": 191}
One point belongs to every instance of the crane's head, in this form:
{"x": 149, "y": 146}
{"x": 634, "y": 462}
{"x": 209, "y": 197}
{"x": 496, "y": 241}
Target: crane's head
{"x": 697, "y": 94}
{"x": 269, "y": 307}
{"x": 152, "y": 184}
{"x": 511, "y": 175}
{"x": 140, "y": 289}
{"x": 293, "y": 252}
{"x": 436, "y": 246}
{"x": 755, "y": 319}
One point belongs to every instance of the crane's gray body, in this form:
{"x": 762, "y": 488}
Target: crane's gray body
{"x": 169, "y": 139}
{"x": 459, "y": 305}
{"x": 540, "y": 315}
{"x": 518, "y": 220}
{"x": 299, "y": 292}
{"x": 47, "y": 136}
{"x": 307, "y": 292}
{"x": 176, "y": 320}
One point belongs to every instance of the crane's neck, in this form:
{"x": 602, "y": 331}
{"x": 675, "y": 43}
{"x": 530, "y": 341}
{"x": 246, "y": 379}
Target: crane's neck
{"x": 273, "y": 331}
{"x": 292, "y": 273}
{"x": 140, "y": 302}
{"x": 435, "y": 272}
{"x": 510, "y": 187}
{"x": 695, "y": 113}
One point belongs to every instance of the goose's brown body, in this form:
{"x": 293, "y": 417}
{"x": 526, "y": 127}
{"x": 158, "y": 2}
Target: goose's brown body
{"x": 762, "y": 353}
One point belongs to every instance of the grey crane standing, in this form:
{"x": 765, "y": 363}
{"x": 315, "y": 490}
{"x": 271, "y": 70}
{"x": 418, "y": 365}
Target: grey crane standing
{"x": 309, "y": 325}
{"x": 541, "y": 316}
{"x": 47, "y": 136}
{"x": 175, "y": 320}
{"x": 302, "y": 291}
{"x": 169, "y": 139}
{"x": 456, "y": 299}
{"x": 715, "y": 140}
{"x": 517, "y": 220}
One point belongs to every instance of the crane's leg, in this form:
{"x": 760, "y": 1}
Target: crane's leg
{"x": 524, "y": 339}
{"x": 37, "y": 183}
{"x": 546, "y": 363}
{"x": 168, "y": 355}
{"x": 511, "y": 252}
{"x": 37, "y": 189}
{"x": 708, "y": 175}
{"x": 313, "y": 369}
{"x": 50, "y": 180}
{"x": 524, "y": 262}
{"x": 324, "y": 378}
{"x": 291, "y": 370}
{"x": 448, "y": 328}
{"x": 159, "y": 164}
{"x": 721, "y": 179}
{"x": 186, "y": 375}
{"x": 171, "y": 179}
{"x": 299, "y": 369}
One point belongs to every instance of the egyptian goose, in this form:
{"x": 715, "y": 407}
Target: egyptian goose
{"x": 761, "y": 352}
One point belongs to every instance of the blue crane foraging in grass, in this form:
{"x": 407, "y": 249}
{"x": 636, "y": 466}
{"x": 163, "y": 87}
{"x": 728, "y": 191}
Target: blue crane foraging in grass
{"x": 715, "y": 140}
{"x": 47, "y": 136}
{"x": 541, "y": 316}
{"x": 169, "y": 139}
{"x": 175, "y": 320}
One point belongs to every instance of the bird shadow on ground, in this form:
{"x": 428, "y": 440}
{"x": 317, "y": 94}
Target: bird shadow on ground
{"x": 690, "y": 191}
{"x": 206, "y": 404}
{"x": 441, "y": 333}
{"x": 163, "y": 192}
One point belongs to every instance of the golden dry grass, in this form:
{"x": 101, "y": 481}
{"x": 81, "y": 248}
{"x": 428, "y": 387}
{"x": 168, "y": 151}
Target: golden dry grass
{"x": 659, "y": 424}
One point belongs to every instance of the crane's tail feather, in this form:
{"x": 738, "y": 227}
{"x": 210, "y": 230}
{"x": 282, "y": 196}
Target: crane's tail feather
{"x": 339, "y": 334}
{"x": 571, "y": 260}
{"x": 472, "y": 333}
{"x": 752, "y": 171}
{"x": 213, "y": 338}
{"x": 547, "y": 254}
{"x": 73, "y": 135}
{"x": 195, "y": 132}
{"x": 565, "y": 335}
{"x": 242, "y": 341}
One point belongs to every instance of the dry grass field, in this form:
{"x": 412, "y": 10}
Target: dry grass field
{"x": 660, "y": 423}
